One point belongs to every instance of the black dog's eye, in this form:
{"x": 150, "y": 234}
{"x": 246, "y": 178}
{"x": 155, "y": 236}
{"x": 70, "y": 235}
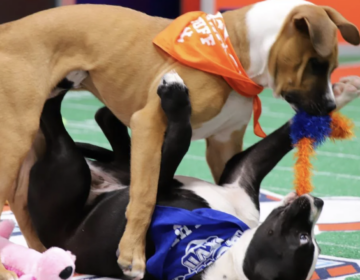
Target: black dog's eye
{"x": 318, "y": 67}
{"x": 270, "y": 232}
{"x": 304, "y": 238}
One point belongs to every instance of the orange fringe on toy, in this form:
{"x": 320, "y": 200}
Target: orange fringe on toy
{"x": 341, "y": 129}
{"x": 303, "y": 166}
{"x": 341, "y": 126}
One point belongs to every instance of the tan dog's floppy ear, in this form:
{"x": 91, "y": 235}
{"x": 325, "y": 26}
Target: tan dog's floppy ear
{"x": 348, "y": 30}
{"x": 315, "y": 22}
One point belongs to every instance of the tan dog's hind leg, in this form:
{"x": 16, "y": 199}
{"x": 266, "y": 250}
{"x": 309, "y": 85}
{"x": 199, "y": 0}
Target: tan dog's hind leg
{"x": 147, "y": 127}
{"x": 19, "y": 194}
{"x": 27, "y": 229}
{"x": 219, "y": 152}
{"x": 20, "y": 110}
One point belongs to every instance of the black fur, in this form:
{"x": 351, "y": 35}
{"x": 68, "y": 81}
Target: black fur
{"x": 257, "y": 161}
{"x": 95, "y": 152}
{"x": 60, "y": 184}
{"x": 61, "y": 181}
{"x": 65, "y": 84}
{"x": 269, "y": 257}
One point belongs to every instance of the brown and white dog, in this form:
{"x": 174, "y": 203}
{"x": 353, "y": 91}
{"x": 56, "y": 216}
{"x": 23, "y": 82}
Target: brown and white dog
{"x": 287, "y": 45}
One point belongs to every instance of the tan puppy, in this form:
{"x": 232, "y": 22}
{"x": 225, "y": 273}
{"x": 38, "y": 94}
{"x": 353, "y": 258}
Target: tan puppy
{"x": 287, "y": 45}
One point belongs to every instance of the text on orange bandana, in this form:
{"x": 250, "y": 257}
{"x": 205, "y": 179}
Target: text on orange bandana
{"x": 201, "y": 41}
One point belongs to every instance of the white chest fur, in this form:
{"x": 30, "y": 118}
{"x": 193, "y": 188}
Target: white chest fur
{"x": 230, "y": 199}
{"x": 233, "y": 116}
{"x": 264, "y": 22}
{"x": 230, "y": 265}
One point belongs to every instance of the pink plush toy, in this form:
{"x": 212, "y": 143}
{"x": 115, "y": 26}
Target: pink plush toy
{"x": 28, "y": 264}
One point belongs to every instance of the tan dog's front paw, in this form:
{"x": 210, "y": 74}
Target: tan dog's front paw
{"x": 346, "y": 90}
{"x": 132, "y": 259}
{"x": 7, "y": 275}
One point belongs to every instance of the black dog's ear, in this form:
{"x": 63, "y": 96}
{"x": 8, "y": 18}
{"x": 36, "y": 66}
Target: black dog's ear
{"x": 252, "y": 165}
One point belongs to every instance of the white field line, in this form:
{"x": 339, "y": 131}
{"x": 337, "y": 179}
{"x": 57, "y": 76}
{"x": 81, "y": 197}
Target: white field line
{"x": 269, "y": 130}
{"x": 84, "y": 107}
{"x": 338, "y": 245}
{"x": 83, "y": 125}
{"x": 322, "y": 173}
{"x": 79, "y": 126}
{"x": 322, "y": 153}
{"x": 267, "y": 112}
{"x": 272, "y": 100}
{"x": 338, "y": 155}
{"x": 81, "y": 94}
{"x": 286, "y": 190}
{"x": 289, "y": 169}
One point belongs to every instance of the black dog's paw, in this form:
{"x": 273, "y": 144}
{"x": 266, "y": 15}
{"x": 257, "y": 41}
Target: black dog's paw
{"x": 174, "y": 97}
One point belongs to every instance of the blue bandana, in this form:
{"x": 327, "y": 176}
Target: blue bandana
{"x": 186, "y": 242}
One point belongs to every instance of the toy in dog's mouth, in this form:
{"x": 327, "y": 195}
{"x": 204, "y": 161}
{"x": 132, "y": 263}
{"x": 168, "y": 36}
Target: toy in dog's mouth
{"x": 321, "y": 106}
{"x": 284, "y": 246}
{"x": 309, "y": 132}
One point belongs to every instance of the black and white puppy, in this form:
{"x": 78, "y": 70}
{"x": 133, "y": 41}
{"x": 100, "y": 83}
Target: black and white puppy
{"x": 79, "y": 204}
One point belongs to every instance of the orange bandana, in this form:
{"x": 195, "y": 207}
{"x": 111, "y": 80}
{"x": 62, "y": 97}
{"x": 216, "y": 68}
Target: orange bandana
{"x": 201, "y": 41}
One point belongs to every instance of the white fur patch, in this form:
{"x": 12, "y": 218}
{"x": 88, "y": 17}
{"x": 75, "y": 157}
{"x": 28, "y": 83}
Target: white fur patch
{"x": 101, "y": 182}
{"x": 329, "y": 92}
{"x": 171, "y": 78}
{"x": 264, "y": 22}
{"x": 234, "y": 115}
{"x": 315, "y": 258}
{"x": 77, "y": 77}
{"x": 230, "y": 264}
{"x": 230, "y": 199}
{"x": 315, "y": 213}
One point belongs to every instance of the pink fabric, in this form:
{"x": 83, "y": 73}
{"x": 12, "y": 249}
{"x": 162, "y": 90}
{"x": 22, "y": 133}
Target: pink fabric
{"x": 16, "y": 271}
{"x": 29, "y": 264}
{"x": 18, "y": 257}
{"x": 6, "y": 229}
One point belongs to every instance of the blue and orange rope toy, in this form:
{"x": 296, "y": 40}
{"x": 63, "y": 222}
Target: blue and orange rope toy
{"x": 309, "y": 132}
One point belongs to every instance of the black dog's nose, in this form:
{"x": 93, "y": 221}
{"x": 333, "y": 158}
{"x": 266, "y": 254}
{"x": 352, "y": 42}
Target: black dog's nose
{"x": 330, "y": 106}
{"x": 319, "y": 203}
{"x": 66, "y": 273}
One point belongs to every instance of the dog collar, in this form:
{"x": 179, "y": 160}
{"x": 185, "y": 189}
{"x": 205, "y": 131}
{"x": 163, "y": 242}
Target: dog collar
{"x": 201, "y": 41}
{"x": 186, "y": 242}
